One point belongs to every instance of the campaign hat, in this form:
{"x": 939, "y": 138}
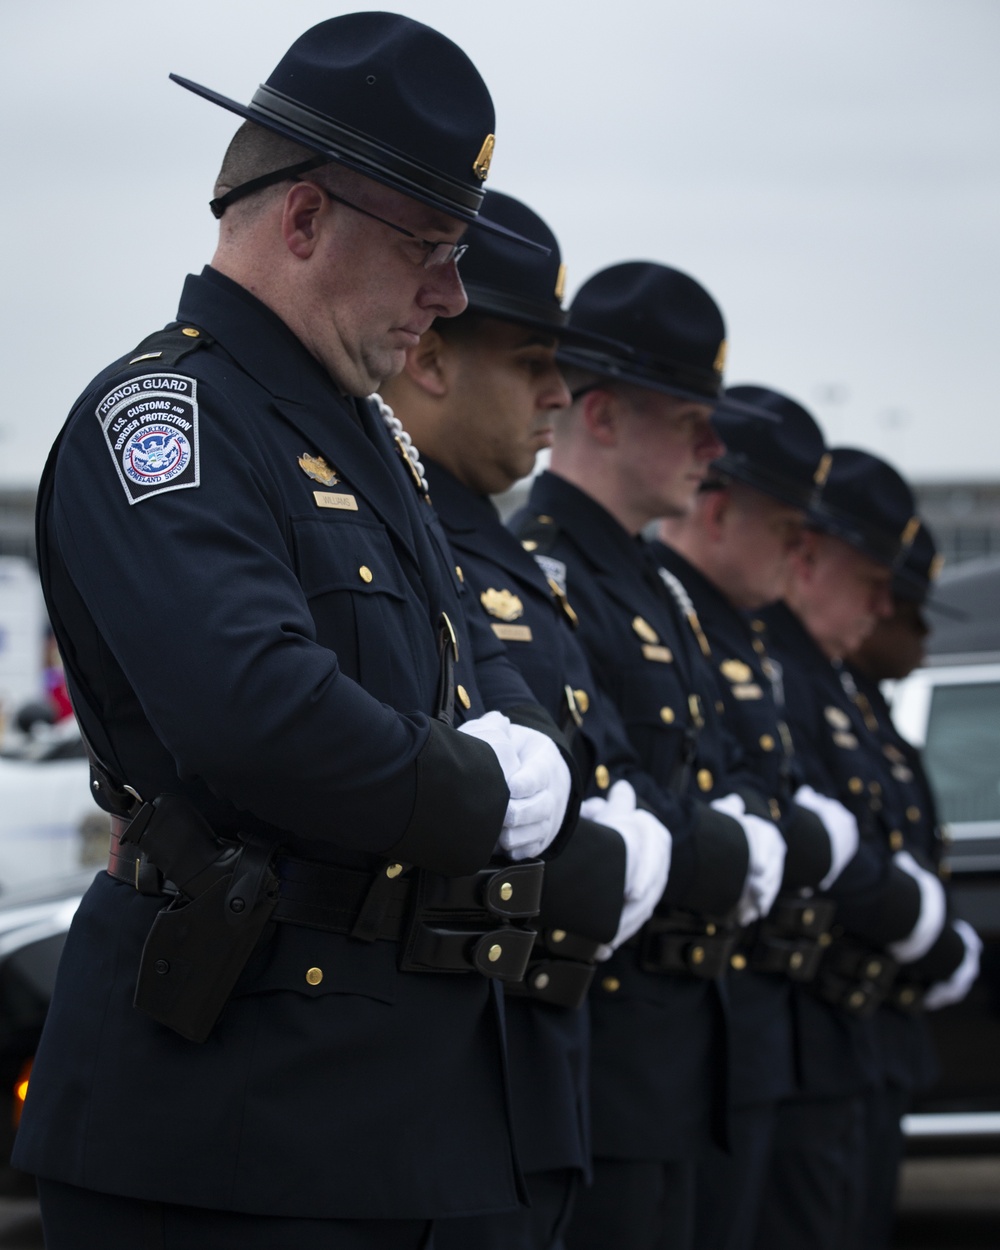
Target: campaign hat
{"x": 867, "y": 504}
{"x": 784, "y": 457}
{"x": 512, "y": 283}
{"x": 388, "y": 97}
{"x": 650, "y": 325}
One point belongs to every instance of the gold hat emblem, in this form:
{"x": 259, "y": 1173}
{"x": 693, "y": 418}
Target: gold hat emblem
{"x": 645, "y": 631}
{"x": 910, "y": 533}
{"x": 937, "y": 564}
{"x": 502, "y": 604}
{"x": 481, "y": 165}
{"x": 720, "y": 357}
{"x": 560, "y": 290}
{"x": 823, "y": 469}
{"x": 317, "y": 468}
{"x": 736, "y": 671}
{"x": 837, "y": 718}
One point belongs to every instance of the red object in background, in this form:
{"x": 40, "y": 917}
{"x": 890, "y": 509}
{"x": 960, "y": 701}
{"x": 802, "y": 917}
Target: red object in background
{"x": 55, "y": 681}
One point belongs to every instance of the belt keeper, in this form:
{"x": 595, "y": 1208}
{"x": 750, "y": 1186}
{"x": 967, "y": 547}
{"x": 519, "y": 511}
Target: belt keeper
{"x": 371, "y": 917}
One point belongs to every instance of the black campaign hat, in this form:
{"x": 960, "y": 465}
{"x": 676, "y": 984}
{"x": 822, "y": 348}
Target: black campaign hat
{"x": 507, "y": 281}
{"x": 785, "y": 457}
{"x": 652, "y": 326}
{"x": 866, "y": 503}
{"x": 388, "y": 97}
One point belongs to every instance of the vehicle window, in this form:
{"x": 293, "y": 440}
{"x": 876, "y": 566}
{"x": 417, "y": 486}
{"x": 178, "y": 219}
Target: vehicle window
{"x": 963, "y": 750}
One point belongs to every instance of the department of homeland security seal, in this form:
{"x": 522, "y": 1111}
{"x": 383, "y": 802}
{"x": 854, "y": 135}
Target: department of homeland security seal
{"x": 151, "y": 427}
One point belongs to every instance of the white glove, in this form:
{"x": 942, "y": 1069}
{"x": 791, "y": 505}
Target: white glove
{"x": 841, "y": 828}
{"x": 537, "y": 778}
{"x": 767, "y": 859}
{"x": 647, "y": 857}
{"x": 933, "y": 912}
{"x": 944, "y": 993}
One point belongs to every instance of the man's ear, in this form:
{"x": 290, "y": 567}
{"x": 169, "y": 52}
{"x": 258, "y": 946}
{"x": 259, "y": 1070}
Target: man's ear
{"x": 299, "y": 215}
{"x": 427, "y": 364}
{"x": 717, "y": 509}
{"x": 602, "y": 416}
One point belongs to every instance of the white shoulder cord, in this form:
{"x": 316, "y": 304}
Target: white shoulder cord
{"x": 400, "y": 437}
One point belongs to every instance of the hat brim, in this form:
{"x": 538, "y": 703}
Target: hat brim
{"x": 502, "y": 306}
{"x": 370, "y": 165}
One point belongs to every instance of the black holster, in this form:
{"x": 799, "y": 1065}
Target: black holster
{"x": 683, "y": 942}
{"x": 792, "y": 937}
{"x": 201, "y": 941}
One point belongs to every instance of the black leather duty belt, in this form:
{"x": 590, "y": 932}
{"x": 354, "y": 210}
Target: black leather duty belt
{"x": 792, "y": 938}
{"x": 683, "y": 943}
{"x": 560, "y": 970}
{"x": 442, "y": 924}
{"x": 855, "y": 978}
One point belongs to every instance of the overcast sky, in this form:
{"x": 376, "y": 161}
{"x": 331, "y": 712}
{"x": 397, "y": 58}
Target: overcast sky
{"x": 829, "y": 169}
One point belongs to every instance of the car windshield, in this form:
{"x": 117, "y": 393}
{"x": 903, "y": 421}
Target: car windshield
{"x": 963, "y": 750}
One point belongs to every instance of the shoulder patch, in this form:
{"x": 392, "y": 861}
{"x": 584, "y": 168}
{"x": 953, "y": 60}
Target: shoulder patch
{"x": 150, "y": 424}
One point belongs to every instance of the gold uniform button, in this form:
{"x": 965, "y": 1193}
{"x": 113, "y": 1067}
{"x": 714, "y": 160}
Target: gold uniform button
{"x": 529, "y": 544}
{"x": 544, "y": 520}
{"x": 393, "y": 870}
{"x": 602, "y": 776}
{"x": 775, "y": 809}
{"x": 874, "y": 787}
{"x": 705, "y": 779}
{"x": 667, "y": 715}
{"x": 825, "y": 939}
{"x": 582, "y": 701}
{"x": 808, "y": 916}
{"x": 314, "y": 976}
{"x": 857, "y": 999}
{"x": 506, "y": 891}
{"x": 906, "y": 997}
{"x": 758, "y": 646}
{"x": 541, "y": 981}
{"x": 494, "y": 953}
{"x": 855, "y": 785}
{"x": 710, "y": 930}
{"x": 698, "y": 954}
{"x": 365, "y": 573}
{"x": 191, "y": 332}
{"x": 913, "y": 814}
{"x": 796, "y": 960}
{"x": 463, "y": 697}
{"x": 558, "y": 935}
{"x": 458, "y": 573}
{"x": 739, "y": 962}
{"x": 874, "y": 969}
{"x": 896, "y": 840}
{"x": 766, "y": 742}
{"x": 611, "y": 984}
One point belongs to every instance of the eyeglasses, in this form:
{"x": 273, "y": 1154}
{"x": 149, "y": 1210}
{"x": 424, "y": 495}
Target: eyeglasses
{"x": 435, "y": 254}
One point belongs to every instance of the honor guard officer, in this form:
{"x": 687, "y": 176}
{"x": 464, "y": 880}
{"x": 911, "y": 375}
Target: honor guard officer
{"x": 893, "y": 649}
{"x": 636, "y": 444}
{"x": 890, "y": 909}
{"x": 276, "y": 1020}
{"x": 478, "y": 394}
{"x": 732, "y": 555}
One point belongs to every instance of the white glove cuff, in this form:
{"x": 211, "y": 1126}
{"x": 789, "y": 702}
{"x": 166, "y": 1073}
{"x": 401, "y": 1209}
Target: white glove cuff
{"x": 933, "y": 912}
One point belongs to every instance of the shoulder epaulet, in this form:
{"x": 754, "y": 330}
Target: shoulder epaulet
{"x": 168, "y": 347}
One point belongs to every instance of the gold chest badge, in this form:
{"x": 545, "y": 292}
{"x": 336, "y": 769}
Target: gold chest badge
{"x": 503, "y": 604}
{"x": 836, "y": 718}
{"x": 317, "y": 468}
{"x": 644, "y": 630}
{"x": 736, "y": 671}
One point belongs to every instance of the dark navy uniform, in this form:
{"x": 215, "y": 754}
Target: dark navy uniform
{"x": 253, "y": 584}
{"x": 659, "y": 1045}
{"x": 582, "y": 897}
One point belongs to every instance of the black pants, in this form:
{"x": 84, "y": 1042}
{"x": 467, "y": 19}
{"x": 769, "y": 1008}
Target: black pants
{"x": 885, "y": 1110}
{"x": 538, "y": 1227}
{"x": 814, "y": 1192}
{"x": 730, "y": 1186}
{"x": 81, "y": 1219}
{"x": 635, "y": 1206}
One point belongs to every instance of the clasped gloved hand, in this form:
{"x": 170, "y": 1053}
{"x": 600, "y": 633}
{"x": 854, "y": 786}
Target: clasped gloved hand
{"x": 767, "y": 859}
{"x": 648, "y": 846}
{"x": 944, "y": 993}
{"x": 841, "y": 828}
{"x": 537, "y": 778}
{"x": 933, "y": 911}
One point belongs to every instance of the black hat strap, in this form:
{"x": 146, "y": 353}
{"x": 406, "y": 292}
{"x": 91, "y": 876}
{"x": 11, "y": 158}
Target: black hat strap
{"x": 222, "y": 202}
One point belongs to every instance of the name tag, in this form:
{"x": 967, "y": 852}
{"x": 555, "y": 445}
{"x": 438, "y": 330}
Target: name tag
{"x": 652, "y": 651}
{"x": 327, "y": 499}
{"x": 512, "y": 633}
{"x": 749, "y": 691}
